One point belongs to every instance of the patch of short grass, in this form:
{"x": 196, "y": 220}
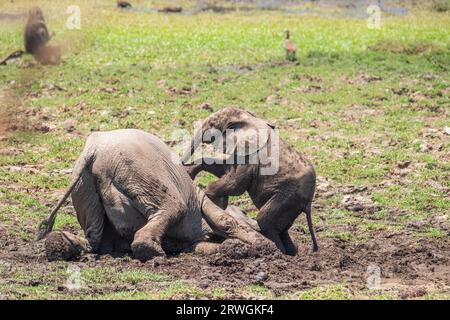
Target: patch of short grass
{"x": 103, "y": 275}
{"x": 332, "y": 292}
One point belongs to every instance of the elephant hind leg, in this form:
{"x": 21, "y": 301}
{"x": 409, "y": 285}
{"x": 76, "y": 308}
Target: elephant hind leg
{"x": 147, "y": 241}
{"x": 89, "y": 208}
{"x": 275, "y": 218}
{"x": 289, "y": 246}
{"x": 112, "y": 243}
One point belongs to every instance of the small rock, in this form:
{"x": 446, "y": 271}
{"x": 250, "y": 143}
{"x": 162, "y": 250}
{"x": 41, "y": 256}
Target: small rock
{"x": 316, "y": 266}
{"x": 313, "y": 124}
{"x": 359, "y": 204}
{"x": 204, "y": 284}
{"x": 205, "y": 106}
{"x": 46, "y": 127}
{"x": 403, "y": 164}
{"x": 327, "y": 194}
{"x": 81, "y": 106}
{"x": 52, "y": 86}
{"x": 447, "y": 130}
{"x": 417, "y": 96}
{"x": 271, "y": 98}
{"x": 70, "y": 125}
{"x": 109, "y": 90}
{"x": 34, "y": 283}
{"x": 425, "y": 147}
{"x": 261, "y": 277}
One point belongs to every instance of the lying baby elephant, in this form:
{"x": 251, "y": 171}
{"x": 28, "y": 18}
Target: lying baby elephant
{"x": 129, "y": 193}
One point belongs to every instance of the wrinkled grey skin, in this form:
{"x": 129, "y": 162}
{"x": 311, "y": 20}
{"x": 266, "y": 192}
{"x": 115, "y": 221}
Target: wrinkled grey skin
{"x": 280, "y": 197}
{"x": 128, "y": 193}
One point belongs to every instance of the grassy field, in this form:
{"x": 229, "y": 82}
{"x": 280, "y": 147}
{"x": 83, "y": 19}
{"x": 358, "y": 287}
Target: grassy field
{"x": 369, "y": 108}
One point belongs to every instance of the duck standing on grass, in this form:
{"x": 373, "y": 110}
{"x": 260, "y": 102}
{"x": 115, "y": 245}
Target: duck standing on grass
{"x": 290, "y": 47}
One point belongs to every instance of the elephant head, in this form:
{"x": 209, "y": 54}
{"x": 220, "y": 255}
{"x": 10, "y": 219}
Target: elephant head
{"x": 232, "y": 131}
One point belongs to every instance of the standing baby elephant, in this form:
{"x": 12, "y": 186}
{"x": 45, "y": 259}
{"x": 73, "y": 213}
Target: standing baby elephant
{"x": 128, "y": 190}
{"x": 280, "y": 195}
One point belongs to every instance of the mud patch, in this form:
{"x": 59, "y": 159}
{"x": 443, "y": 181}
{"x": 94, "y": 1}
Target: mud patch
{"x": 64, "y": 246}
{"x": 406, "y": 263}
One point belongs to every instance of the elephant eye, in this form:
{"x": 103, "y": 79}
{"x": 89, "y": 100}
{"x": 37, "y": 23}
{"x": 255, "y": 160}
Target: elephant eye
{"x": 235, "y": 125}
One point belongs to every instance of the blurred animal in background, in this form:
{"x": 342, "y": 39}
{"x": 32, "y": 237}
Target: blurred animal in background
{"x": 50, "y": 55}
{"x": 36, "y": 33}
{"x": 37, "y": 36}
{"x": 290, "y": 47}
{"x": 123, "y": 4}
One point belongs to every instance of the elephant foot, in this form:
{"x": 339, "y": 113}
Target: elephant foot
{"x": 291, "y": 251}
{"x": 60, "y": 245}
{"x": 289, "y": 246}
{"x": 146, "y": 250}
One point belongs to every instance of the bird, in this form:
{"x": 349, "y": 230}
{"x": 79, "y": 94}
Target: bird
{"x": 290, "y": 47}
{"x": 123, "y": 4}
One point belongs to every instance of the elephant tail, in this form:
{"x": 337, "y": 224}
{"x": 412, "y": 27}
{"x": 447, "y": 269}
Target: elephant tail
{"x": 46, "y": 226}
{"x": 308, "y": 211}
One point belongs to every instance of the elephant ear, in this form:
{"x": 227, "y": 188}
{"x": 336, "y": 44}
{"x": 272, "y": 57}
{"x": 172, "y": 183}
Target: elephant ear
{"x": 268, "y": 123}
{"x": 246, "y": 136}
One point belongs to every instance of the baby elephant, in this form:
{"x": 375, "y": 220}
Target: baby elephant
{"x": 130, "y": 192}
{"x": 279, "y": 180}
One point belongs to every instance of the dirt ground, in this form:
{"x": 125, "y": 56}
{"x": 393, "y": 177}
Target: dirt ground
{"x": 409, "y": 267}
{"x": 369, "y": 108}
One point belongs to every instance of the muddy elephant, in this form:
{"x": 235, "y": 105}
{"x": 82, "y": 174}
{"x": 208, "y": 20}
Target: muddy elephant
{"x": 279, "y": 180}
{"x": 131, "y": 193}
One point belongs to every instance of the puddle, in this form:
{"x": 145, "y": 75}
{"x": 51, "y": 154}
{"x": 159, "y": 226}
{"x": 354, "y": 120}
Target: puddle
{"x": 327, "y": 8}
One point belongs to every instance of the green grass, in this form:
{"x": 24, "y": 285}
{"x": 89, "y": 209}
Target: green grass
{"x": 152, "y": 71}
{"x": 111, "y": 275}
{"x": 334, "y": 292}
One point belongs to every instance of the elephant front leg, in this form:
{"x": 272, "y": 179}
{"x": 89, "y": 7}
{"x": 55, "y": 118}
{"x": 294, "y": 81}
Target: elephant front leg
{"x": 147, "y": 240}
{"x": 234, "y": 183}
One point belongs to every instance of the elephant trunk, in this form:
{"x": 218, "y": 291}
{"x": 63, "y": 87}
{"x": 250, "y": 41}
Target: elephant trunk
{"x": 195, "y": 142}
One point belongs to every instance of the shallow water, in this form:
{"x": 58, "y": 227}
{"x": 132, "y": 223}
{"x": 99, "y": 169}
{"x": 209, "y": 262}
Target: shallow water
{"x": 327, "y": 8}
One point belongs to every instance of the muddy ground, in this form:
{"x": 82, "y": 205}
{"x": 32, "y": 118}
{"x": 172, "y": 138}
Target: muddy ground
{"x": 409, "y": 267}
{"x": 369, "y": 108}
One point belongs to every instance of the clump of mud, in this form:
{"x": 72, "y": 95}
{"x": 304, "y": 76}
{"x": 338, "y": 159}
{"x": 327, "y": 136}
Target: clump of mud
{"x": 61, "y": 245}
{"x": 232, "y": 250}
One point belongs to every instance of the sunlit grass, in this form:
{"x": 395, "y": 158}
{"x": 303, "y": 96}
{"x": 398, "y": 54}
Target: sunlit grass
{"x": 118, "y": 70}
